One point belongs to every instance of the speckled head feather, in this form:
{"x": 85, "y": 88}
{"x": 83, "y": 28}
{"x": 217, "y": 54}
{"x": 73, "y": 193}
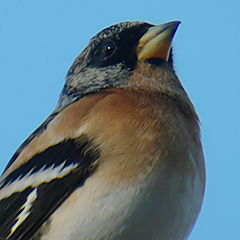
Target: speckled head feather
{"x": 101, "y": 67}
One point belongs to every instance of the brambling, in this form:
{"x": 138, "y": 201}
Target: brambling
{"x": 120, "y": 157}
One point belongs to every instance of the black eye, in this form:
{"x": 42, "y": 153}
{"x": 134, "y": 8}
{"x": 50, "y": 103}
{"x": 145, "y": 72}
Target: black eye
{"x": 108, "y": 49}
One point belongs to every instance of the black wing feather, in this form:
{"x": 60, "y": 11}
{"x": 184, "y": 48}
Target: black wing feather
{"x": 51, "y": 193}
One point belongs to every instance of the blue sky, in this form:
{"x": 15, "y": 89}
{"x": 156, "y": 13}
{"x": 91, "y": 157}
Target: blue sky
{"x": 40, "y": 39}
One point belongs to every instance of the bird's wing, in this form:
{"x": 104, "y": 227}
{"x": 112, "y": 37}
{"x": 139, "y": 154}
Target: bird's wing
{"x": 46, "y": 171}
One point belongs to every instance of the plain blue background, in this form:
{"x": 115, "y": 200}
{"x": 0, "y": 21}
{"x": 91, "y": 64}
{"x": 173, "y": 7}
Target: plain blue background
{"x": 40, "y": 39}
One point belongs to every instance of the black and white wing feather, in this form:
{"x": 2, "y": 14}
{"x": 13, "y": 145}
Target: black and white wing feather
{"x": 32, "y": 192}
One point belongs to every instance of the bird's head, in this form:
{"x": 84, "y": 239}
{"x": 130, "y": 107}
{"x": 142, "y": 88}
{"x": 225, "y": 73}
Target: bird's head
{"x": 113, "y": 54}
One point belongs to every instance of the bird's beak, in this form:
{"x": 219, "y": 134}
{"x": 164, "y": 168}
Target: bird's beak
{"x": 156, "y": 42}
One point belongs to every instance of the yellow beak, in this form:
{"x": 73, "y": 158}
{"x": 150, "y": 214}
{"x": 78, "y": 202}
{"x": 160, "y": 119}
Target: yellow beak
{"x": 156, "y": 42}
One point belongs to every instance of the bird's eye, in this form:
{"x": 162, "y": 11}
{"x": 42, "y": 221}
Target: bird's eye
{"x": 108, "y": 49}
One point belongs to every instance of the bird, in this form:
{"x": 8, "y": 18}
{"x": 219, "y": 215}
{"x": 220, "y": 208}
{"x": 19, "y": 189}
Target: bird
{"x": 120, "y": 157}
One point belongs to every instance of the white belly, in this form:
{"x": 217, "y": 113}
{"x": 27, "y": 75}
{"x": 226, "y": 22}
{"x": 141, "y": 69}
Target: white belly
{"x": 161, "y": 210}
